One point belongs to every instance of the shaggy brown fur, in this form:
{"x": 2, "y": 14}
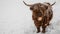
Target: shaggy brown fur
{"x": 45, "y": 13}
{"x": 41, "y": 14}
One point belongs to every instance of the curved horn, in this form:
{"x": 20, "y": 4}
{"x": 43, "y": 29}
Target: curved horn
{"x": 26, "y": 4}
{"x": 53, "y": 3}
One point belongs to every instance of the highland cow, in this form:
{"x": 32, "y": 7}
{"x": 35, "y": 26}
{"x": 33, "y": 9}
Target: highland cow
{"x": 41, "y": 14}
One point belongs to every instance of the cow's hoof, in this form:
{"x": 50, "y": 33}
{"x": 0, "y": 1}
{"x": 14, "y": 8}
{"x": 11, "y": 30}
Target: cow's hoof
{"x": 48, "y": 24}
{"x": 43, "y": 31}
{"x": 38, "y": 31}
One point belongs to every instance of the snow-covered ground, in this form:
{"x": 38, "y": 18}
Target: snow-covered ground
{"x": 15, "y": 17}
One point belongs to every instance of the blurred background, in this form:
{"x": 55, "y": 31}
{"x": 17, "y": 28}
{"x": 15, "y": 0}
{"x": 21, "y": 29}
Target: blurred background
{"x": 16, "y": 17}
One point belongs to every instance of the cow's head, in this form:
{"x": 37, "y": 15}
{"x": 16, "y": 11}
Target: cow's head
{"x": 39, "y": 8}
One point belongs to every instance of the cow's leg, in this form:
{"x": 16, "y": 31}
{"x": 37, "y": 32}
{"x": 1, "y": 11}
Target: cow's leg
{"x": 43, "y": 29}
{"x": 37, "y": 26}
{"x": 44, "y": 25}
{"x": 38, "y": 29}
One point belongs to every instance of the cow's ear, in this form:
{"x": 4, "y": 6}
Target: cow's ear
{"x": 31, "y": 8}
{"x": 48, "y": 3}
{"x": 46, "y": 7}
{"x": 34, "y": 7}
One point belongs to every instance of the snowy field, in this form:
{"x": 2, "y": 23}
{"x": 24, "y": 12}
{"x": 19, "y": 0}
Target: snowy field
{"x": 15, "y": 17}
